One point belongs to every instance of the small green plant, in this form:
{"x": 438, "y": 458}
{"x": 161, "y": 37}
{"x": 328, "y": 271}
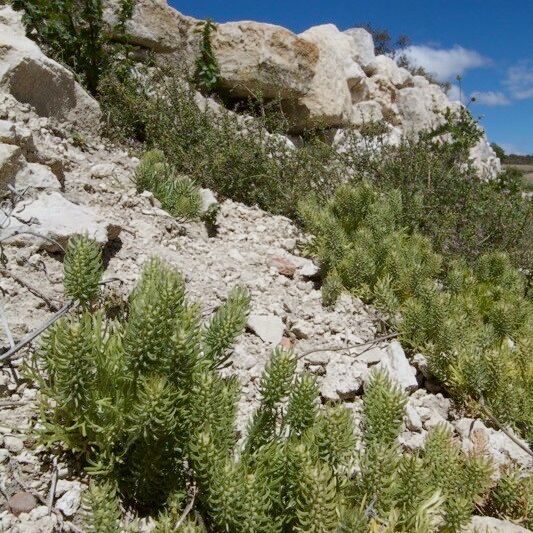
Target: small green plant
{"x": 177, "y": 194}
{"x": 73, "y": 32}
{"x": 207, "y": 71}
{"x": 512, "y": 498}
{"x": 83, "y": 269}
{"x": 101, "y": 506}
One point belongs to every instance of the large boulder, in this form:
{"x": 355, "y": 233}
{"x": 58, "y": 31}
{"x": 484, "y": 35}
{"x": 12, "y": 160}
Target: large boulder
{"x": 387, "y": 67}
{"x": 33, "y": 78}
{"x": 421, "y": 108}
{"x": 264, "y": 59}
{"x": 362, "y": 45}
{"x": 154, "y": 25}
{"x": 328, "y": 101}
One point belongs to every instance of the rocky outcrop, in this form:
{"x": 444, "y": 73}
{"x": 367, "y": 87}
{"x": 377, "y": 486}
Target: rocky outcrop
{"x": 324, "y": 77}
{"x": 33, "y": 78}
{"x": 264, "y": 60}
{"x": 155, "y": 26}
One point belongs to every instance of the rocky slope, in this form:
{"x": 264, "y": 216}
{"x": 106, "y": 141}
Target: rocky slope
{"x": 57, "y": 185}
{"x": 324, "y": 77}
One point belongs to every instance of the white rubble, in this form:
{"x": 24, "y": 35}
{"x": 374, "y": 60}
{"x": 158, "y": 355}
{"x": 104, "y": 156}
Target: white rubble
{"x": 268, "y": 328}
{"x": 488, "y": 524}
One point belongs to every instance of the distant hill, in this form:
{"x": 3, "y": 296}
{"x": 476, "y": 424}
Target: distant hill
{"x": 514, "y": 159}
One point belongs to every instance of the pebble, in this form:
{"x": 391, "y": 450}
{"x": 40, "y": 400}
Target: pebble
{"x": 21, "y": 502}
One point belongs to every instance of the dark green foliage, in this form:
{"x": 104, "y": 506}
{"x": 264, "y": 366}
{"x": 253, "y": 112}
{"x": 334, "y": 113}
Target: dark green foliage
{"x": 82, "y": 269}
{"x": 473, "y": 322}
{"x": 74, "y": 33}
{"x": 207, "y": 71}
{"x": 226, "y": 324}
{"x": 216, "y": 148}
{"x": 177, "y": 194}
{"x": 441, "y": 195}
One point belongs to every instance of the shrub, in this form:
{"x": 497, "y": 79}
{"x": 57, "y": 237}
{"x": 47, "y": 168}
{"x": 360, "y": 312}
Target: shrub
{"x": 177, "y": 194}
{"x": 142, "y": 404}
{"x": 473, "y": 322}
{"x": 233, "y": 155}
{"x": 74, "y": 33}
{"x": 441, "y": 195}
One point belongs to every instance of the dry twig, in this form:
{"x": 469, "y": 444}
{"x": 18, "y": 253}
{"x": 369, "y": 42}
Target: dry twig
{"x": 52, "y": 306}
{"x": 351, "y": 346}
{"x": 186, "y": 511}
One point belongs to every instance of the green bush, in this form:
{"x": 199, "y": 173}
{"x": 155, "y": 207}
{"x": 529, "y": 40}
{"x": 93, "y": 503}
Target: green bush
{"x": 442, "y": 197}
{"x": 74, "y": 33}
{"x": 474, "y": 322}
{"x": 142, "y": 404}
{"x": 177, "y": 194}
{"x": 235, "y": 156}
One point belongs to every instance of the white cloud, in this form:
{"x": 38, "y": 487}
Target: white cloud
{"x": 520, "y": 80}
{"x": 445, "y": 64}
{"x": 490, "y": 98}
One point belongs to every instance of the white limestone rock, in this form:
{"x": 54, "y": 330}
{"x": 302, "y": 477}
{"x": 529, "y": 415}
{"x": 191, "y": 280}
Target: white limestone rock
{"x": 328, "y": 101}
{"x": 269, "y": 328}
{"x": 488, "y": 524}
{"x": 398, "y": 368}
{"x": 54, "y": 217}
{"x": 387, "y": 67}
{"x": 363, "y": 45}
{"x": 258, "y": 58}
{"x": 37, "y": 176}
{"x": 33, "y": 78}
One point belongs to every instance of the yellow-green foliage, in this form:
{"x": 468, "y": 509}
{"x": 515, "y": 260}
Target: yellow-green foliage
{"x": 512, "y": 498}
{"x": 141, "y": 401}
{"x": 177, "y": 194}
{"x": 474, "y": 322}
{"x": 83, "y": 269}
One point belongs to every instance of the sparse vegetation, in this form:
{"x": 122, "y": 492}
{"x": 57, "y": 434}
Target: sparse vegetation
{"x": 236, "y": 157}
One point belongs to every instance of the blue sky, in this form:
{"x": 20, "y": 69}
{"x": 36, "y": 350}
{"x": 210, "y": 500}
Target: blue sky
{"x": 489, "y": 41}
